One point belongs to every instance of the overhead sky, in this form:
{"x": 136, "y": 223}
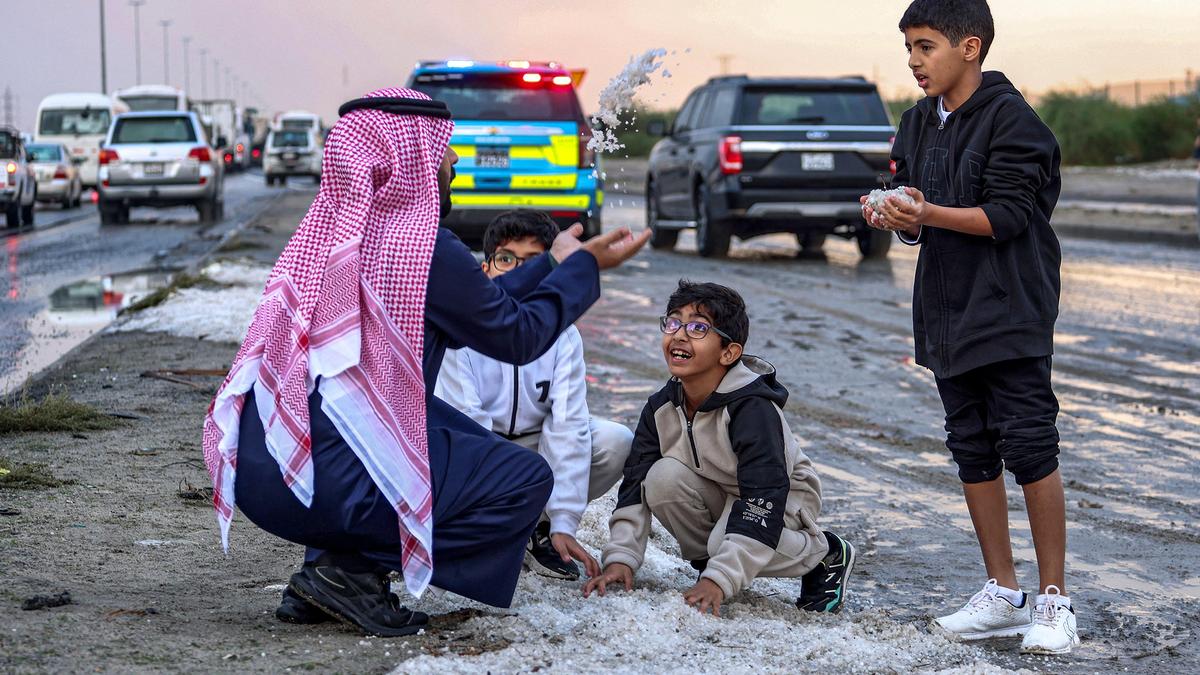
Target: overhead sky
{"x": 314, "y": 54}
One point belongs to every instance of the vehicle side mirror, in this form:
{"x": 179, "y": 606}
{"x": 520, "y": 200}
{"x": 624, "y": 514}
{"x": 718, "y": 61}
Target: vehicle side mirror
{"x": 657, "y": 128}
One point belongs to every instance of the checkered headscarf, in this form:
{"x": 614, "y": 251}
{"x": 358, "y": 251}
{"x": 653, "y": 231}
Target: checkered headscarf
{"x": 346, "y": 302}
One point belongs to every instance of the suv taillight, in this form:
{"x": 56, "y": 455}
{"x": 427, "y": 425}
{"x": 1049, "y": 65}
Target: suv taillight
{"x": 60, "y": 172}
{"x": 587, "y": 158}
{"x": 200, "y": 154}
{"x": 108, "y": 155}
{"x": 730, "y": 154}
{"x": 892, "y": 162}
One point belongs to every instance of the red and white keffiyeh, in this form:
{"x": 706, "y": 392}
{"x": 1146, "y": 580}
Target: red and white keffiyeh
{"x": 346, "y": 302}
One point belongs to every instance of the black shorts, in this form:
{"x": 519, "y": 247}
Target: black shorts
{"x": 999, "y": 416}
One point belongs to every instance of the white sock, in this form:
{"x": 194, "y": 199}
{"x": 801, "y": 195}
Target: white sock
{"x": 1014, "y": 598}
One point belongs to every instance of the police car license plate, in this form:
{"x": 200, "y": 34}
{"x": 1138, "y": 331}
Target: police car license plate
{"x": 816, "y": 161}
{"x": 491, "y": 158}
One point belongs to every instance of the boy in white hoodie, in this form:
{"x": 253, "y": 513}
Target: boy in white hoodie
{"x": 541, "y": 405}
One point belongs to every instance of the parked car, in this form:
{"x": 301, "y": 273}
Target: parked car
{"x": 521, "y": 137}
{"x": 18, "y": 185}
{"x": 291, "y": 152}
{"x": 58, "y": 177}
{"x": 748, "y": 157}
{"x": 159, "y": 159}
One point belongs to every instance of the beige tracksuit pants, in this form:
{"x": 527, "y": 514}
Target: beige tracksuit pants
{"x": 695, "y": 510}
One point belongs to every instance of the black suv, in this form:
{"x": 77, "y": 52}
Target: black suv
{"x": 755, "y": 156}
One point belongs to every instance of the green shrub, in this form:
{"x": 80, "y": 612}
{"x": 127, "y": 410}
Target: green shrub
{"x": 1093, "y": 130}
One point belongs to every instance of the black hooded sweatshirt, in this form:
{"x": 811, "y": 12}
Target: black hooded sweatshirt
{"x": 980, "y": 300}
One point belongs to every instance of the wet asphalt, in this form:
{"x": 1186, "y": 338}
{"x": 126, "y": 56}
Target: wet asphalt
{"x": 70, "y": 252}
{"x": 1127, "y": 374}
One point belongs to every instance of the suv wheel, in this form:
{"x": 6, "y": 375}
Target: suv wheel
{"x": 659, "y": 238}
{"x": 810, "y": 242}
{"x": 27, "y": 211}
{"x": 13, "y": 215}
{"x": 207, "y": 210}
{"x": 712, "y": 236}
{"x": 874, "y": 244}
{"x": 110, "y": 214}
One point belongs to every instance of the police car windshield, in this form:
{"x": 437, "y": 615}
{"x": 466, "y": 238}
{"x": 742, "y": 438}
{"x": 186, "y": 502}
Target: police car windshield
{"x": 792, "y": 106}
{"x": 501, "y": 96}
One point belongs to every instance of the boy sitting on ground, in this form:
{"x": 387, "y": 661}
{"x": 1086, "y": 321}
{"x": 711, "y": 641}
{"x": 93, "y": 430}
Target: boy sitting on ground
{"x": 541, "y": 405}
{"x": 714, "y": 460}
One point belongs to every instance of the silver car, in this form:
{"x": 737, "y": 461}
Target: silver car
{"x": 159, "y": 159}
{"x": 18, "y": 188}
{"x": 58, "y": 177}
{"x": 291, "y": 152}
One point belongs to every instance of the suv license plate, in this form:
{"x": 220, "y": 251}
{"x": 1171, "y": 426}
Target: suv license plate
{"x": 816, "y": 161}
{"x": 152, "y": 169}
{"x": 491, "y": 158}
{"x": 289, "y": 156}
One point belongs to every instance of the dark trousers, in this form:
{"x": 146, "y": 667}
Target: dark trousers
{"x": 1002, "y": 416}
{"x": 487, "y": 496}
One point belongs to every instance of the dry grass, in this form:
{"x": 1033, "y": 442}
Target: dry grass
{"x": 55, "y": 412}
{"x": 160, "y": 296}
{"x": 28, "y": 476}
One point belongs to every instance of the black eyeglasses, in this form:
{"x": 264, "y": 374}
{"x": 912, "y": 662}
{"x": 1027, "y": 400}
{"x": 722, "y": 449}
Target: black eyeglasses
{"x": 506, "y": 262}
{"x": 696, "y": 330}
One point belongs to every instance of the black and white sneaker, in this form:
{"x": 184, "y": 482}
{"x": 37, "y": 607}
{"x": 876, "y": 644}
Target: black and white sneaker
{"x": 824, "y": 588}
{"x": 362, "y": 600}
{"x": 543, "y": 560}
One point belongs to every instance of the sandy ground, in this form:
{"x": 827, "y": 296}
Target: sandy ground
{"x": 140, "y": 554}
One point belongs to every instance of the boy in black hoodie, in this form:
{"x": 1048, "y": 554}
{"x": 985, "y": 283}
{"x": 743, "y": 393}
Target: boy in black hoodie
{"x": 983, "y": 174}
{"x": 714, "y": 461}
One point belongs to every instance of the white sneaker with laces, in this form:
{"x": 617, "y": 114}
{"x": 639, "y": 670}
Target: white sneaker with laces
{"x": 987, "y": 615}
{"x": 1053, "y": 629}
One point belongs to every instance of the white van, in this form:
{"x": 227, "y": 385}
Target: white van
{"x": 80, "y": 122}
{"x": 300, "y": 120}
{"x": 153, "y": 97}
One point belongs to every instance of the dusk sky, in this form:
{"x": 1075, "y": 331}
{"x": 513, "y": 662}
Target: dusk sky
{"x": 314, "y": 54}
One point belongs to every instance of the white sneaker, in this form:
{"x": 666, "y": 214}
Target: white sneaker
{"x": 987, "y": 615}
{"x": 1053, "y": 629}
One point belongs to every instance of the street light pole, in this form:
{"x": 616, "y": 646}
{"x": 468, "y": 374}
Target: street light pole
{"x": 103, "y": 54}
{"x": 203, "y": 72}
{"x": 137, "y": 36}
{"x": 187, "y": 72}
{"x": 165, "y": 23}
{"x": 216, "y": 77}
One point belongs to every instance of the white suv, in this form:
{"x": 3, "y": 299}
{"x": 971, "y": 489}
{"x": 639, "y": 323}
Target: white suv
{"x": 18, "y": 187}
{"x": 159, "y": 158}
{"x": 291, "y": 152}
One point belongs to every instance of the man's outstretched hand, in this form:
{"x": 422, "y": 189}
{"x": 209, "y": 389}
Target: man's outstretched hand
{"x": 610, "y": 249}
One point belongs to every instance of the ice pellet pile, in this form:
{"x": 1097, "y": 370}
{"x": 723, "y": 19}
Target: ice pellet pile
{"x": 877, "y": 197}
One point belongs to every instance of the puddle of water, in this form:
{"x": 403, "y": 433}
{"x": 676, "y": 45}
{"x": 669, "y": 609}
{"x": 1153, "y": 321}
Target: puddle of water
{"x": 75, "y": 312}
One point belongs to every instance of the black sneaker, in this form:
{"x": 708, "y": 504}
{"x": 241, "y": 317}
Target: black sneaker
{"x": 361, "y": 600}
{"x": 824, "y": 588}
{"x": 295, "y": 609}
{"x": 542, "y": 559}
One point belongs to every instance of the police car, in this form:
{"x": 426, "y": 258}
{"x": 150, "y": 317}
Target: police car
{"x": 521, "y": 137}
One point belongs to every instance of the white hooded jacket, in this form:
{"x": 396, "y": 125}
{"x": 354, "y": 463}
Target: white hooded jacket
{"x": 547, "y": 396}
